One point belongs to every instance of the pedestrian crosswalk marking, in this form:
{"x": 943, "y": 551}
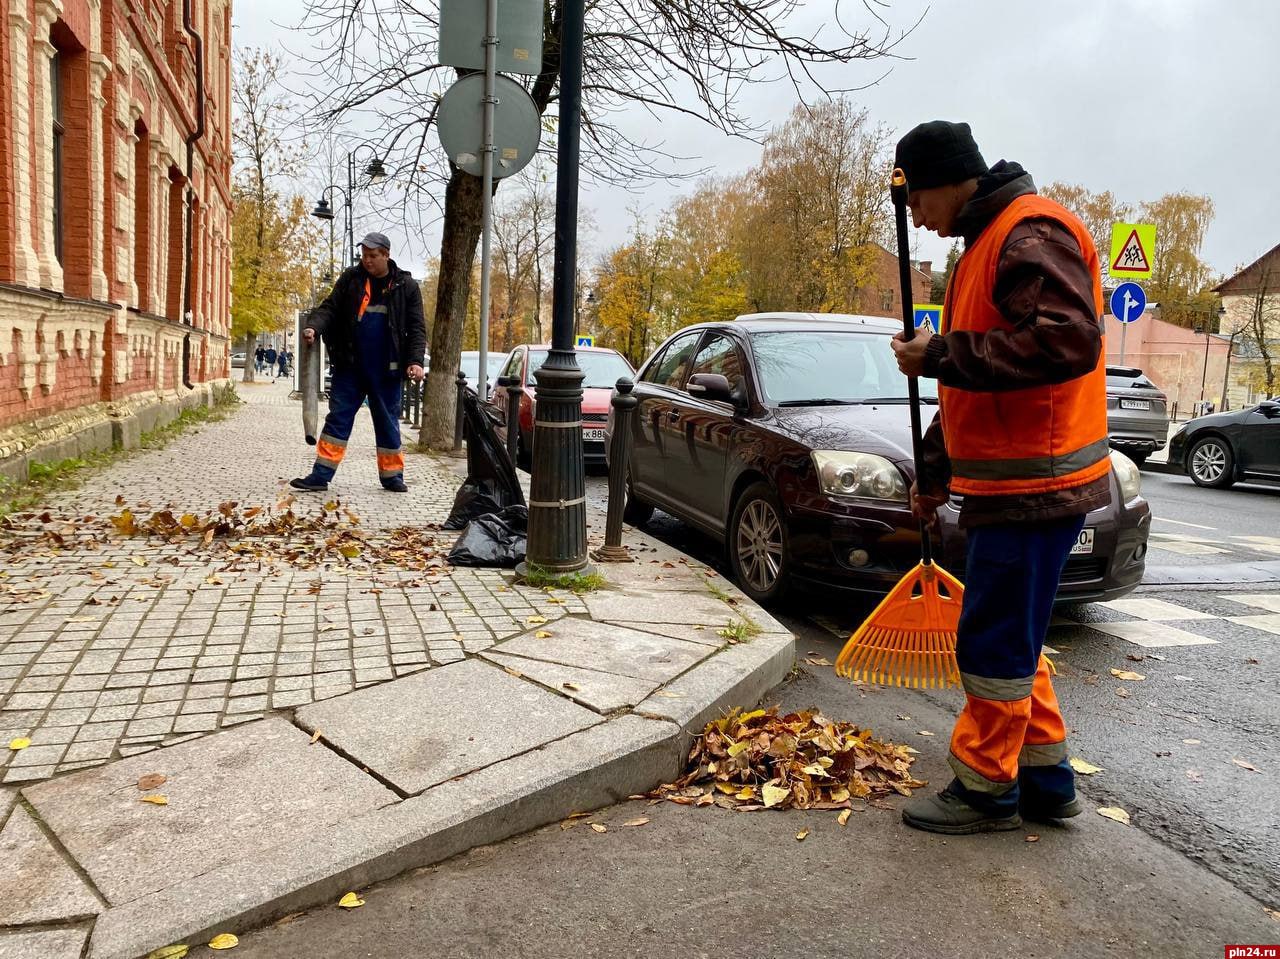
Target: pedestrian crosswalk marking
{"x": 1267, "y": 622}
{"x": 1269, "y": 601}
{"x": 1152, "y": 635}
{"x": 1186, "y": 547}
{"x": 1178, "y": 522}
{"x": 1155, "y": 610}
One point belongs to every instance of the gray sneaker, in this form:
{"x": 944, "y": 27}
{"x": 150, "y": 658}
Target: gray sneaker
{"x": 1044, "y": 812}
{"x": 949, "y": 814}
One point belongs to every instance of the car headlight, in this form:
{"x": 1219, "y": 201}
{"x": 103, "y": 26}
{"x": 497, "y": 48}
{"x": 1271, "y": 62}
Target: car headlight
{"x": 866, "y": 475}
{"x": 1127, "y": 473}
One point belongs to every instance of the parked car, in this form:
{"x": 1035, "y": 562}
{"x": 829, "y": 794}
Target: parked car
{"x": 601, "y": 370}
{"x": 1137, "y": 413}
{"x": 470, "y": 365}
{"x": 787, "y": 437}
{"x": 1219, "y": 449}
{"x": 237, "y": 360}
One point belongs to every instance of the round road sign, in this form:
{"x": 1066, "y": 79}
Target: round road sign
{"x": 517, "y": 128}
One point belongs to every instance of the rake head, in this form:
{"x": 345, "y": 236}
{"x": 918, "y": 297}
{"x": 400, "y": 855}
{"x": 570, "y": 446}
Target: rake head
{"x": 910, "y": 638}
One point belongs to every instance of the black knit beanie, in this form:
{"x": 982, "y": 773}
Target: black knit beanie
{"x": 939, "y": 153}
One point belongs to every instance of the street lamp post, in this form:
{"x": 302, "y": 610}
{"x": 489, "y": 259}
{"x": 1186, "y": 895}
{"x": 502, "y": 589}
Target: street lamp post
{"x": 1204, "y": 373}
{"x": 557, "y": 503}
{"x": 376, "y": 172}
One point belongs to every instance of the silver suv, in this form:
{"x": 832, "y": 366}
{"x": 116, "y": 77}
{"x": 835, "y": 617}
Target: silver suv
{"x": 1137, "y": 413}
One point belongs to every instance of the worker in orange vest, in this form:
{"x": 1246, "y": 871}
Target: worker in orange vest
{"x": 1021, "y": 435}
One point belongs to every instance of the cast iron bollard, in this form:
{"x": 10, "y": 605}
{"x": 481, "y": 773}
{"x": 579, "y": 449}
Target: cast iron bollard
{"x": 624, "y": 408}
{"x": 461, "y": 383}
{"x": 514, "y": 392}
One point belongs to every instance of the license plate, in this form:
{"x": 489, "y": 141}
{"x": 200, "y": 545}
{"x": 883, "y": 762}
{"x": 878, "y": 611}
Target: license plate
{"x": 1084, "y": 543}
{"x": 1135, "y": 404}
{"x": 594, "y": 434}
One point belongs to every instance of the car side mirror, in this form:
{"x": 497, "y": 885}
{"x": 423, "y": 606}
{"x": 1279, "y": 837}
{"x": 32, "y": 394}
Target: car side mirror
{"x": 711, "y": 386}
{"x": 1269, "y": 408}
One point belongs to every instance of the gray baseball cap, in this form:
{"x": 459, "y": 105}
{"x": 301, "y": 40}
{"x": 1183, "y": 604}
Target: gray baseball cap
{"x": 376, "y": 241}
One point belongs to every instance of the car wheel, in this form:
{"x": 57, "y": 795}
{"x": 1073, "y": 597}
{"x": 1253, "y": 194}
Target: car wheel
{"x": 758, "y": 545}
{"x": 1210, "y": 463}
{"x": 636, "y": 512}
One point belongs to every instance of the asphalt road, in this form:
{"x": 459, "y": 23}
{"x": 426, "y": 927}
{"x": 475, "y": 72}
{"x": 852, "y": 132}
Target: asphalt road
{"x": 1189, "y": 751}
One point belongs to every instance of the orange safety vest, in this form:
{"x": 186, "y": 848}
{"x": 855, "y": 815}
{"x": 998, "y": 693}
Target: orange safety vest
{"x": 1021, "y": 441}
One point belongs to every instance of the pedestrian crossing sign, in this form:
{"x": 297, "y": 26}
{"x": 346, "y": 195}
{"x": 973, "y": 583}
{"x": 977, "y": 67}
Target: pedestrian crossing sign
{"x": 1132, "y": 247}
{"x": 585, "y": 340}
{"x": 928, "y": 315}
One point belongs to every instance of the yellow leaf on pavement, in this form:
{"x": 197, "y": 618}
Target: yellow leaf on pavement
{"x": 315, "y": 737}
{"x": 1114, "y": 813}
{"x": 774, "y": 794}
{"x": 843, "y": 818}
{"x": 168, "y": 952}
{"x": 1084, "y": 768}
{"x": 535, "y": 620}
{"x": 636, "y": 822}
{"x": 156, "y": 799}
{"x": 139, "y": 561}
{"x": 802, "y": 835}
{"x": 22, "y": 742}
{"x": 1128, "y": 675}
{"x": 351, "y": 901}
{"x": 1273, "y": 913}
{"x": 224, "y": 940}
{"x": 542, "y": 634}
{"x": 599, "y": 827}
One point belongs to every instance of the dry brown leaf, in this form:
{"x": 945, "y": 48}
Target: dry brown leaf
{"x": 572, "y": 687}
{"x": 292, "y": 917}
{"x": 1122, "y": 692}
{"x": 1114, "y": 813}
{"x": 802, "y": 835}
{"x": 1273, "y": 913}
{"x": 599, "y": 827}
{"x": 925, "y": 732}
{"x": 643, "y": 820}
{"x": 315, "y": 737}
{"x": 818, "y": 661}
{"x": 1244, "y": 765}
{"x": 1128, "y": 675}
{"x": 1191, "y": 742}
{"x": 1033, "y": 838}
{"x": 152, "y": 781}
{"x": 843, "y": 818}
{"x": 155, "y": 799}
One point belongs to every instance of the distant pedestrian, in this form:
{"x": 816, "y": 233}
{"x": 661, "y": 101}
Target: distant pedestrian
{"x": 373, "y": 327}
{"x": 284, "y": 363}
{"x": 259, "y": 357}
{"x": 1021, "y": 436}
{"x": 269, "y": 358}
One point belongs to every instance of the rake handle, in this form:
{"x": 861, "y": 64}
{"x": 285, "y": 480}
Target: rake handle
{"x": 898, "y": 191}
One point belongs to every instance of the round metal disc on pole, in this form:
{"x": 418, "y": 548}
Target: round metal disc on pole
{"x": 517, "y": 128}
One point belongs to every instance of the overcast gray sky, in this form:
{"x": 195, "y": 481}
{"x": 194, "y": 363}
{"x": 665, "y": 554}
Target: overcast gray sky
{"x": 1141, "y": 97}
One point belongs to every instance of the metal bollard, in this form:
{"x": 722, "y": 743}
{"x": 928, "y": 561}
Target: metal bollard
{"x": 514, "y": 392}
{"x": 461, "y": 383}
{"x": 624, "y": 408}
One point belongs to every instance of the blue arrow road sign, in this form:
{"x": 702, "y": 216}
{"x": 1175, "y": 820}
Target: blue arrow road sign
{"x": 586, "y": 341}
{"x": 1127, "y": 302}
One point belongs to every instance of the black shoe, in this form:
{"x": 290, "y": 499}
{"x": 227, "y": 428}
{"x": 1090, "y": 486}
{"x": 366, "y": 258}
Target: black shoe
{"x": 1044, "y": 812}
{"x": 949, "y": 814}
{"x": 395, "y": 485}
{"x": 309, "y": 484}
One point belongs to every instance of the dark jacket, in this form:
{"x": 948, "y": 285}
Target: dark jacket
{"x": 1044, "y": 289}
{"x": 335, "y": 318}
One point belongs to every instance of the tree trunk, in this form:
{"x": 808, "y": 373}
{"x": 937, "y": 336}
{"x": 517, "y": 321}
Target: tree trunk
{"x": 463, "y": 212}
{"x": 250, "y": 344}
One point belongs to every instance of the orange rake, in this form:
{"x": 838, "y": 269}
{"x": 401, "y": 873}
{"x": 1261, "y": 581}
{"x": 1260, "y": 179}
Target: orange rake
{"x": 910, "y": 638}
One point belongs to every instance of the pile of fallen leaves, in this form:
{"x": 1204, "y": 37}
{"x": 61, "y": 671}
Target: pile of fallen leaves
{"x": 241, "y": 535}
{"x": 761, "y": 760}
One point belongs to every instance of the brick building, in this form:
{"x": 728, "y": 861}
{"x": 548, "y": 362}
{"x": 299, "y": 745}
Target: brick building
{"x": 881, "y": 296}
{"x": 115, "y": 142}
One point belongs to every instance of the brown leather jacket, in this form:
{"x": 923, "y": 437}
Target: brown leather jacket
{"x": 1043, "y": 288}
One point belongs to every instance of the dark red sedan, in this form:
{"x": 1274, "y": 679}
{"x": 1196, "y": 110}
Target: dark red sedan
{"x": 787, "y": 437}
{"x": 601, "y": 369}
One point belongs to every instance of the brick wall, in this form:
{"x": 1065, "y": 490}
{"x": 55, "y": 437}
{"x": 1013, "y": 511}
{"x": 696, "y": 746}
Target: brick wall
{"x": 106, "y": 320}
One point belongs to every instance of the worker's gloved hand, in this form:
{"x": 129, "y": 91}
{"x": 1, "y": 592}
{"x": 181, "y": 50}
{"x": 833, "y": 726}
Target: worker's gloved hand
{"x": 416, "y": 373}
{"x": 309, "y": 335}
{"x": 925, "y": 505}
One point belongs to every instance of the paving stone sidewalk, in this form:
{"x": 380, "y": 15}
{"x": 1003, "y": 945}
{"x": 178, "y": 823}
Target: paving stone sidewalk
{"x": 318, "y": 724}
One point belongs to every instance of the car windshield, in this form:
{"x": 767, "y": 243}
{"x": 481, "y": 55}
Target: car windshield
{"x": 470, "y": 363}
{"x": 829, "y": 368}
{"x": 601, "y": 370}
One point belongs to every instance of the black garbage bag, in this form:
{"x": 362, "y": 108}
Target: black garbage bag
{"x": 491, "y": 484}
{"x": 497, "y": 539}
